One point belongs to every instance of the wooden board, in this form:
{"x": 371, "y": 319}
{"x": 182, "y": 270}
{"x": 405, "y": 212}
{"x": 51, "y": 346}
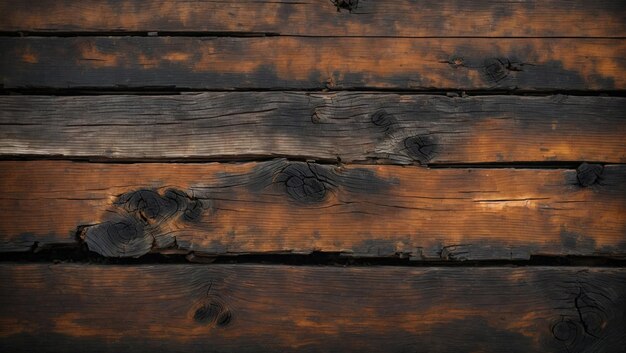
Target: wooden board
{"x": 351, "y": 127}
{"x": 314, "y": 63}
{"x": 278, "y": 206}
{"x": 256, "y": 308}
{"x": 410, "y": 18}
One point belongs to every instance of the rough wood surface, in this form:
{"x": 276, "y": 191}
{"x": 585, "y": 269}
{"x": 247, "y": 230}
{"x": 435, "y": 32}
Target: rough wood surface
{"x": 281, "y": 206}
{"x": 314, "y": 63}
{"x": 256, "y": 308}
{"x": 410, "y": 18}
{"x": 351, "y": 127}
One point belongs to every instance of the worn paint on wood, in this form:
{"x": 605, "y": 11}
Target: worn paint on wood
{"x": 405, "y": 18}
{"x": 314, "y": 63}
{"x": 256, "y": 308}
{"x": 351, "y": 127}
{"x": 130, "y": 209}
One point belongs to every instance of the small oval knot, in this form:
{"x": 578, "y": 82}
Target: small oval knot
{"x": 565, "y": 330}
{"x": 213, "y": 313}
{"x": 382, "y": 118}
{"x": 421, "y": 148}
{"x": 496, "y": 69}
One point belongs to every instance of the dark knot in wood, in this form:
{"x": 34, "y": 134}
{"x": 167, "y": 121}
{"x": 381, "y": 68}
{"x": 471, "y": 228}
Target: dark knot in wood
{"x": 315, "y": 118}
{"x": 589, "y": 174}
{"x": 122, "y": 236}
{"x": 138, "y": 218}
{"x": 495, "y": 69}
{"x": 382, "y": 118}
{"x": 349, "y": 5}
{"x": 302, "y": 182}
{"x": 149, "y": 205}
{"x": 213, "y": 312}
{"x": 565, "y": 330}
{"x": 421, "y": 148}
{"x": 498, "y": 69}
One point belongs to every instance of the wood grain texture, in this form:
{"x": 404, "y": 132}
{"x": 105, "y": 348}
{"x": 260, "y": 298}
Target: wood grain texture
{"x": 256, "y": 308}
{"x": 412, "y": 18}
{"x": 279, "y": 206}
{"x": 349, "y": 126}
{"x": 314, "y": 63}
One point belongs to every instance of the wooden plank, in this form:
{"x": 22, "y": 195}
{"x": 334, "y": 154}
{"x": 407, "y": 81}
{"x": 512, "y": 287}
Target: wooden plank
{"x": 257, "y": 308}
{"x": 280, "y": 206}
{"x": 408, "y": 18}
{"x": 351, "y": 127}
{"x": 314, "y": 63}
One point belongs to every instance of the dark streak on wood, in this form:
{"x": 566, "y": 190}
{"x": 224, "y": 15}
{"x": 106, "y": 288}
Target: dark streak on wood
{"x": 313, "y": 63}
{"x": 191, "y": 308}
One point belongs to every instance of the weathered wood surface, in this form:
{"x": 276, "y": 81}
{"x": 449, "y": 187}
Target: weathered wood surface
{"x": 314, "y": 63}
{"x": 256, "y": 308}
{"x": 560, "y": 18}
{"x": 351, "y": 127}
{"x": 280, "y": 206}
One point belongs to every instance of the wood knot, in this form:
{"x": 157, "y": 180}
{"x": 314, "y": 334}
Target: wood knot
{"x": 565, "y": 330}
{"x": 302, "y": 182}
{"x": 421, "y": 148}
{"x": 139, "y": 219}
{"x": 382, "y": 118}
{"x": 589, "y": 174}
{"x": 584, "y": 315}
{"x": 456, "y": 62}
{"x": 213, "y": 313}
{"x": 150, "y": 206}
{"x": 318, "y": 116}
{"x": 349, "y": 5}
{"x": 123, "y": 236}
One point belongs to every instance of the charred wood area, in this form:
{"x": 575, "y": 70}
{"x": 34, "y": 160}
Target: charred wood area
{"x": 313, "y": 176}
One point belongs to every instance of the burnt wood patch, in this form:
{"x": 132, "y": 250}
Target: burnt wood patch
{"x": 314, "y": 63}
{"x": 313, "y": 176}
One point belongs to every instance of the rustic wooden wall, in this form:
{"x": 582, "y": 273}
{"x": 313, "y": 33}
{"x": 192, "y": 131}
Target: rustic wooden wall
{"x": 149, "y": 148}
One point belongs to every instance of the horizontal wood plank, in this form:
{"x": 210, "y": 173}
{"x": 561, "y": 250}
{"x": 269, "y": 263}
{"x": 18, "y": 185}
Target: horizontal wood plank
{"x": 410, "y": 18}
{"x": 256, "y": 308}
{"x": 351, "y": 127}
{"x": 124, "y": 210}
{"x": 314, "y": 63}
